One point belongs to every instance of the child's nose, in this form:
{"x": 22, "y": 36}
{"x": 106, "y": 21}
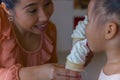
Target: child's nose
{"x": 43, "y": 16}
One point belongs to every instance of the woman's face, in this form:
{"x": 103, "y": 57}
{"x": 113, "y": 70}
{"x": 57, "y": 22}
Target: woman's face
{"x": 94, "y": 32}
{"x": 32, "y": 15}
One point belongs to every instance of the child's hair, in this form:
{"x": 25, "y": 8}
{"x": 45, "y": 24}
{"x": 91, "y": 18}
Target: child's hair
{"x": 10, "y": 4}
{"x": 106, "y": 10}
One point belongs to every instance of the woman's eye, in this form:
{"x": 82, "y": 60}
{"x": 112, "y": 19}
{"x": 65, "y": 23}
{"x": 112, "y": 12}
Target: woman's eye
{"x": 32, "y": 11}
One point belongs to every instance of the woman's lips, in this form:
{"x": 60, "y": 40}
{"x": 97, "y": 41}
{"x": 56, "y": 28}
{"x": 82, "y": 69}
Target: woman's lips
{"x": 41, "y": 27}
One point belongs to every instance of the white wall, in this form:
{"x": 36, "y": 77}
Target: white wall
{"x": 63, "y": 18}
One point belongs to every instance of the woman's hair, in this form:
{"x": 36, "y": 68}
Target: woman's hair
{"x": 107, "y": 9}
{"x": 83, "y": 3}
{"x": 0, "y": 1}
{"x": 10, "y": 4}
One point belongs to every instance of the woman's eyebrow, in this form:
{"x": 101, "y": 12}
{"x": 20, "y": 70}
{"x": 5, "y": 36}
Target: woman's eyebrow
{"x": 28, "y": 5}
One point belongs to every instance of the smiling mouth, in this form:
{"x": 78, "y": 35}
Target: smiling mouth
{"x": 41, "y": 27}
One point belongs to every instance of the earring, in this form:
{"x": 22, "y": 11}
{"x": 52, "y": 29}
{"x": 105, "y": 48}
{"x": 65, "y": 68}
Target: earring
{"x": 10, "y": 18}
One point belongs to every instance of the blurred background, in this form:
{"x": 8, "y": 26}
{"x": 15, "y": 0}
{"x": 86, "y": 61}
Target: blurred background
{"x": 66, "y": 14}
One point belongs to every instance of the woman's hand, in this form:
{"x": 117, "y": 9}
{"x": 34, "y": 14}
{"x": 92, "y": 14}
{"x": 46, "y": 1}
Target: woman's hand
{"x": 58, "y": 72}
{"x": 48, "y": 72}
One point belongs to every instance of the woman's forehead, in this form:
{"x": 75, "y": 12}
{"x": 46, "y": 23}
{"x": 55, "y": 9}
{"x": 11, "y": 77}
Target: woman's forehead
{"x": 24, "y": 3}
{"x": 32, "y": 1}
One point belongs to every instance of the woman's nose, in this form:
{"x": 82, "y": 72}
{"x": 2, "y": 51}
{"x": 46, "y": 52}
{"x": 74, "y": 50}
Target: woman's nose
{"x": 43, "y": 15}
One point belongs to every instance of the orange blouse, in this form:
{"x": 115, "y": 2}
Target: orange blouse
{"x": 13, "y": 56}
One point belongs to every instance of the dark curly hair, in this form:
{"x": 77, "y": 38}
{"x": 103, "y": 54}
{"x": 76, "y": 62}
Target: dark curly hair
{"x": 0, "y": 1}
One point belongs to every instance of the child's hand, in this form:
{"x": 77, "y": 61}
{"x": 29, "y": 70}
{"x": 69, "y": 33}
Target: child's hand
{"x": 77, "y": 58}
{"x": 48, "y": 72}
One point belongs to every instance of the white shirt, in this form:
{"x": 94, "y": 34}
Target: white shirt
{"x": 103, "y": 76}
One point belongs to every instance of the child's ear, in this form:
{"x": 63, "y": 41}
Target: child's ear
{"x": 110, "y": 30}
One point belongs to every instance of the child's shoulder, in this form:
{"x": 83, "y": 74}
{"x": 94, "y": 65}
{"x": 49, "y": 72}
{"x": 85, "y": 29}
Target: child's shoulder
{"x": 104, "y": 76}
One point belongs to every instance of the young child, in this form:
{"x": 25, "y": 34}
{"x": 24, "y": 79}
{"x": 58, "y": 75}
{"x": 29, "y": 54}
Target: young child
{"x": 28, "y": 42}
{"x": 103, "y": 35}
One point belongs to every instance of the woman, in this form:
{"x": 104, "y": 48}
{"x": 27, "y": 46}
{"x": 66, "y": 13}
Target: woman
{"x": 28, "y": 42}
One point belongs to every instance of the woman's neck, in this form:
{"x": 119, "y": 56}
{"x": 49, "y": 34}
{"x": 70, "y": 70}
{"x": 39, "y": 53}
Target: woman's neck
{"x": 25, "y": 38}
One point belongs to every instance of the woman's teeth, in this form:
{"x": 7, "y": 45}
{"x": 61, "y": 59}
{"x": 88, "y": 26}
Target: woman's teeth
{"x": 41, "y": 27}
